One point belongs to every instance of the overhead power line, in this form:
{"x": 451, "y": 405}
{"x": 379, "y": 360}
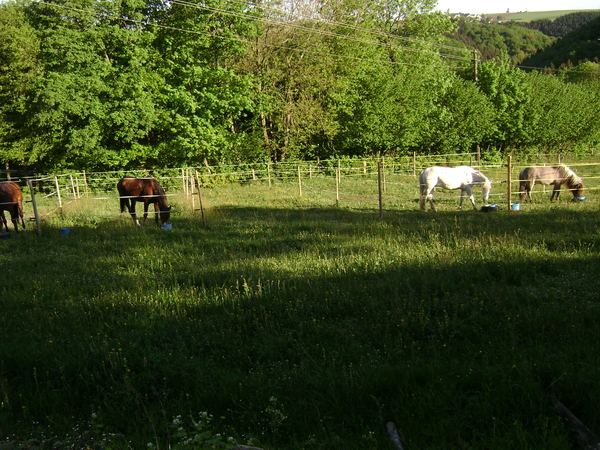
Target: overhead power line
{"x": 296, "y": 24}
{"x": 287, "y": 24}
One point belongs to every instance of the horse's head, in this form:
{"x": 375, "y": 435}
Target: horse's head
{"x": 486, "y": 189}
{"x": 574, "y": 183}
{"x": 165, "y": 214}
{"x": 576, "y": 190}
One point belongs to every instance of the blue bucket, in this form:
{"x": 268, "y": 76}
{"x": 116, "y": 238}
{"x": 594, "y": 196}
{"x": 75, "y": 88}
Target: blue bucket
{"x": 515, "y": 206}
{"x": 66, "y": 231}
{"x": 167, "y": 226}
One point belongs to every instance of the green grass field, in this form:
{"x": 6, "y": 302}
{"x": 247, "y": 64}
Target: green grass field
{"x": 299, "y": 324}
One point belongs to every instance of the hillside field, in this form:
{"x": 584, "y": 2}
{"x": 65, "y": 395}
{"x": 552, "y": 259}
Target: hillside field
{"x": 303, "y": 321}
{"x": 528, "y": 16}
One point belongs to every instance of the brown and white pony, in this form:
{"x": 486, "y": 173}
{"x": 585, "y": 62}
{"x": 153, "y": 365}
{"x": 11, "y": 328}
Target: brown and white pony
{"x": 549, "y": 175}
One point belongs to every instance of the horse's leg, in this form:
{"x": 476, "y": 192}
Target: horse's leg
{"x": 469, "y": 192}
{"x": 131, "y": 208}
{"x": 466, "y": 191}
{"x": 146, "y": 203}
{"x": 156, "y": 213}
{"x": 14, "y": 217}
{"x": 429, "y": 198}
{"x": 529, "y": 184}
{"x": 422, "y": 195}
{"x": 20, "y": 209}
{"x": 3, "y": 221}
{"x": 555, "y": 191}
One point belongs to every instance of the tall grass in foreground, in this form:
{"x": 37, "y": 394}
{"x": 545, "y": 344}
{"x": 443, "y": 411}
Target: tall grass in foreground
{"x": 303, "y": 326}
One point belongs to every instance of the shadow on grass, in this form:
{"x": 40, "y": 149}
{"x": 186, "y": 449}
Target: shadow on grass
{"x": 455, "y": 319}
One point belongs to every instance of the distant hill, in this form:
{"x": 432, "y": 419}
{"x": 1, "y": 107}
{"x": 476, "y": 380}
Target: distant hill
{"x": 581, "y": 45}
{"x": 493, "y": 39}
{"x": 563, "y": 25}
{"x": 534, "y": 39}
{"x": 526, "y": 16}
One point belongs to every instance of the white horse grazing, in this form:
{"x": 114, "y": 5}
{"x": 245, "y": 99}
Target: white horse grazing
{"x": 462, "y": 177}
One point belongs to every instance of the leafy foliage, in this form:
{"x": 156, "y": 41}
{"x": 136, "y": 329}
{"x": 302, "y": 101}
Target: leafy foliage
{"x": 125, "y": 84}
{"x": 495, "y": 39}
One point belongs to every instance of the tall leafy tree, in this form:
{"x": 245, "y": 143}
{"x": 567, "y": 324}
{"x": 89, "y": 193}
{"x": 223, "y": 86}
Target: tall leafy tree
{"x": 19, "y": 72}
{"x": 567, "y": 112}
{"x": 94, "y": 107}
{"x": 293, "y": 69}
{"x": 203, "y": 99}
{"x": 504, "y": 85}
{"x": 461, "y": 116}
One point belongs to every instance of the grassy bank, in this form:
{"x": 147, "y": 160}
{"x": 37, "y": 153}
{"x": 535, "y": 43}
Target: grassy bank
{"x": 297, "y": 324}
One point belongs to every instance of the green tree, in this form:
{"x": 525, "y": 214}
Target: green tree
{"x": 203, "y": 100}
{"x": 19, "y": 72}
{"x": 461, "y": 117}
{"x": 567, "y": 112}
{"x": 504, "y": 85}
{"x": 587, "y": 71}
{"x": 94, "y": 106}
{"x": 292, "y": 68}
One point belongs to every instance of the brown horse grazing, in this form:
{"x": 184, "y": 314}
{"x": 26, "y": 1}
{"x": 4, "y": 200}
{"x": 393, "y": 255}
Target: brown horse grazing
{"x": 145, "y": 190}
{"x": 555, "y": 176}
{"x": 11, "y": 200}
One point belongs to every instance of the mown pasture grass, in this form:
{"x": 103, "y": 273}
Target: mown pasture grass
{"x": 301, "y": 324}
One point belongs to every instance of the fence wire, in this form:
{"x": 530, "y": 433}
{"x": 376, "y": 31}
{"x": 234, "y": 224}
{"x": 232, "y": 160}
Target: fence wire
{"x": 369, "y": 184}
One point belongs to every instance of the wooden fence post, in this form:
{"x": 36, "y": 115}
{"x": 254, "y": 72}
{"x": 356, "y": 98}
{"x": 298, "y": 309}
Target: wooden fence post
{"x": 57, "y": 191}
{"x": 192, "y": 183}
{"x": 509, "y": 181}
{"x": 73, "y": 186}
{"x": 35, "y": 210}
{"x": 200, "y": 200}
{"x": 383, "y": 174}
{"x": 299, "y": 180}
{"x": 85, "y": 184}
{"x": 379, "y": 188}
{"x": 337, "y": 186}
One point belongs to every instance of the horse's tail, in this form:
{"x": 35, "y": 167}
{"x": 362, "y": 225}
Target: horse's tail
{"x": 20, "y": 211}
{"x": 422, "y": 189}
{"x": 525, "y": 183}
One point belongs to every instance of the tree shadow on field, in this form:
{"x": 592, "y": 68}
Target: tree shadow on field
{"x": 111, "y": 252}
{"x": 336, "y": 313}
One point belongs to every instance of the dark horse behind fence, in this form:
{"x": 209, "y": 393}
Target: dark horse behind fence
{"x": 11, "y": 200}
{"x": 555, "y": 176}
{"x": 146, "y": 190}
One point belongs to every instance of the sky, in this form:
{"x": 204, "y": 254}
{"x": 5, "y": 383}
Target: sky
{"x": 497, "y": 6}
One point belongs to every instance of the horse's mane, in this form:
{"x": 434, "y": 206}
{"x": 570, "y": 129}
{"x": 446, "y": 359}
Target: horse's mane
{"x": 569, "y": 175}
{"x": 479, "y": 177}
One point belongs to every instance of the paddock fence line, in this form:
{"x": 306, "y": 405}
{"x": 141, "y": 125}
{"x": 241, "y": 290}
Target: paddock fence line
{"x": 377, "y": 184}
